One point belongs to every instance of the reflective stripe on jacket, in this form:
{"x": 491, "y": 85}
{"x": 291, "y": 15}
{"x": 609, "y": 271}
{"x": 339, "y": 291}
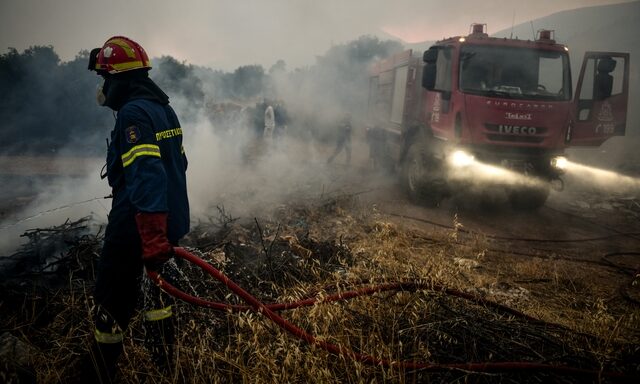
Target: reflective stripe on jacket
{"x": 146, "y": 167}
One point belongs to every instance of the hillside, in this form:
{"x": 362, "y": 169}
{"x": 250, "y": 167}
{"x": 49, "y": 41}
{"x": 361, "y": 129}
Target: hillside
{"x": 609, "y": 27}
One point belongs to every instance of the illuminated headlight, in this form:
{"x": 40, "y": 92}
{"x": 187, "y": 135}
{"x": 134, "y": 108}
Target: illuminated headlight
{"x": 559, "y": 162}
{"x": 461, "y": 159}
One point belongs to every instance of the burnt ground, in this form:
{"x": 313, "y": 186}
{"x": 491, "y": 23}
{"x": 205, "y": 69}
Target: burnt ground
{"x": 583, "y": 241}
{"x": 599, "y": 232}
{"x": 570, "y": 263}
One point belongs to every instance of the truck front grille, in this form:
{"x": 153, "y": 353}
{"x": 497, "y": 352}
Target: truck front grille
{"x": 515, "y": 133}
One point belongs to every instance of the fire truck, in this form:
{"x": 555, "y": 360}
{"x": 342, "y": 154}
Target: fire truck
{"x": 499, "y": 110}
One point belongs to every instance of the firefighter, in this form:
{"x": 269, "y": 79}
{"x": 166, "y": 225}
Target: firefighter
{"x": 145, "y": 168}
{"x": 603, "y": 81}
{"x": 343, "y": 141}
{"x": 269, "y": 122}
{"x": 281, "y": 120}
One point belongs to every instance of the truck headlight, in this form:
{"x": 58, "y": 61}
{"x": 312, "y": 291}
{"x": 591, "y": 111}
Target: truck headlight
{"x": 461, "y": 159}
{"x": 559, "y": 162}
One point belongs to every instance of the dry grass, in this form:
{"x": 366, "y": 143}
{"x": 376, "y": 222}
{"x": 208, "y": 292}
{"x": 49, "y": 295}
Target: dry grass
{"x": 352, "y": 243}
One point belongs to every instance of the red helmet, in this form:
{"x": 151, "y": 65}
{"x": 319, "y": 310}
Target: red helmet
{"x": 119, "y": 54}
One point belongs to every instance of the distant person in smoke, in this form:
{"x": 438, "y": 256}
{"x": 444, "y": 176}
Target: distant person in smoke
{"x": 343, "y": 139}
{"x": 269, "y": 122}
{"x": 256, "y": 115}
{"x": 146, "y": 169}
{"x": 281, "y": 120}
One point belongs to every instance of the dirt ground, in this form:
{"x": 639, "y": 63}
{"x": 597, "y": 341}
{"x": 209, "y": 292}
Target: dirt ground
{"x": 569, "y": 263}
{"x": 576, "y": 252}
{"x": 581, "y": 237}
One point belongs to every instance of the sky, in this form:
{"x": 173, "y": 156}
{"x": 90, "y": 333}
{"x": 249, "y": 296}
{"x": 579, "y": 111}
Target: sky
{"x": 224, "y": 34}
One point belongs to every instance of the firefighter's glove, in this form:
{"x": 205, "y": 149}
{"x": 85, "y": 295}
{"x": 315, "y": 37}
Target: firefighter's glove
{"x": 156, "y": 249}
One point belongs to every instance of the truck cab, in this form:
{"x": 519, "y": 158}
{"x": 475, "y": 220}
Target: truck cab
{"x": 501, "y": 102}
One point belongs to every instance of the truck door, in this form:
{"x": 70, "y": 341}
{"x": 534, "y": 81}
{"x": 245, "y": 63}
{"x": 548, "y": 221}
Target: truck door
{"x": 600, "y": 105}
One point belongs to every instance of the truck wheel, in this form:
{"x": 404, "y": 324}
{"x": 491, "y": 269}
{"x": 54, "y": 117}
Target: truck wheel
{"x": 530, "y": 198}
{"x": 422, "y": 179}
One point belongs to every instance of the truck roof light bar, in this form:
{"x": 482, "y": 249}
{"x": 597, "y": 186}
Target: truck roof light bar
{"x": 478, "y": 29}
{"x": 546, "y": 36}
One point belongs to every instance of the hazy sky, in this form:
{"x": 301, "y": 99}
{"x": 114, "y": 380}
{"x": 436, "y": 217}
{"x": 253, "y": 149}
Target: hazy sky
{"x": 227, "y": 33}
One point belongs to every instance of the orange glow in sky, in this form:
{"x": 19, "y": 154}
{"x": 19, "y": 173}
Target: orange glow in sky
{"x": 408, "y": 35}
{"x": 417, "y": 33}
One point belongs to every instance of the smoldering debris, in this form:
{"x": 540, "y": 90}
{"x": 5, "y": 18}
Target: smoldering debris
{"x": 265, "y": 256}
{"x": 282, "y": 258}
{"x": 38, "y": 283}
{"x": 51, "y": 253}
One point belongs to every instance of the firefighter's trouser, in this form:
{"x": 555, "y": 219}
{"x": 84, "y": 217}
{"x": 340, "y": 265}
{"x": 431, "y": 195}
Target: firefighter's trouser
{"x": 344, "y": 141}
{"x": 118, "y": 287}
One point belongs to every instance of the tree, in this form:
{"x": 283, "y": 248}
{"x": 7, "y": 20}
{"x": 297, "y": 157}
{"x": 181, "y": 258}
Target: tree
{"x": 280, "y": 67}
{"x": 340, "y": 76}
{"x": 179, "y": 79}
{"x": 248, "y": 81}
{"x": 47, "y": 105}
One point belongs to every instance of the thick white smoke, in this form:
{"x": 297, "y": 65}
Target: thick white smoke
{"x": 230, "y": 165}
{"x": 57, "y": 200}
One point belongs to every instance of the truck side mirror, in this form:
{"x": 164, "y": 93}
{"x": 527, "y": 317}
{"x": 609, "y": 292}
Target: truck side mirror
{"x": 430, "y": 55}
{"x": 429, "y": 76}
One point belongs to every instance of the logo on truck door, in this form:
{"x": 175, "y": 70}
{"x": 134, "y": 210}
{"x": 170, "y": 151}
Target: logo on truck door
{"x": 435, "y": 110}
{"x": 606, "y": 120}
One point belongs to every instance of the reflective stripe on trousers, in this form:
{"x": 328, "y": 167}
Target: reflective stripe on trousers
{"x": 158, "y": 314}
{"x": 107, "y": 337}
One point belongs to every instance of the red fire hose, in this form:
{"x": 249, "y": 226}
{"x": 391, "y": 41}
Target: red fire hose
{"x": 269, "y": 311}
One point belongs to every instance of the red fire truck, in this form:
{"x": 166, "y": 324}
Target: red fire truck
{"x": 505, "y": 104}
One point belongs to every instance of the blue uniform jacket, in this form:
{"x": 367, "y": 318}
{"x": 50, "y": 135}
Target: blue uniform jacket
{"x": 146, "y": 167}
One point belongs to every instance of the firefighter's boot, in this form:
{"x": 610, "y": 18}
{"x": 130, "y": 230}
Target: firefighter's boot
{"x": 106, "y": 348}
{"x": 100, "y": 365}
{"x": 160, "y": 338}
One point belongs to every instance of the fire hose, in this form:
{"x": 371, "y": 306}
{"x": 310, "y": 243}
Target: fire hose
{"x": 269, "y": 310}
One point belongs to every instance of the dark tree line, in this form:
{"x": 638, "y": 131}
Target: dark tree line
{"x": 47, "y": 105}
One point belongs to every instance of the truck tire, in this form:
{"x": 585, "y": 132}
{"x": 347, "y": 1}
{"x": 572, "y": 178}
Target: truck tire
{"x": 422, "y": 178}
{"x": 528, "y": 198}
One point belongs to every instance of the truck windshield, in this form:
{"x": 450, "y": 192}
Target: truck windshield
{"x": 518, "y": 73}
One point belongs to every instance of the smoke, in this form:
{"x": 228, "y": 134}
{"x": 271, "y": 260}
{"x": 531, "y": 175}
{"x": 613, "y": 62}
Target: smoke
{"x": 230, "y": 165}
{"x": 602, "y": 179}
{"x": 481, "y": 174}
{"x": 55, "y": 199}
{"x": 245, "y": 174}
